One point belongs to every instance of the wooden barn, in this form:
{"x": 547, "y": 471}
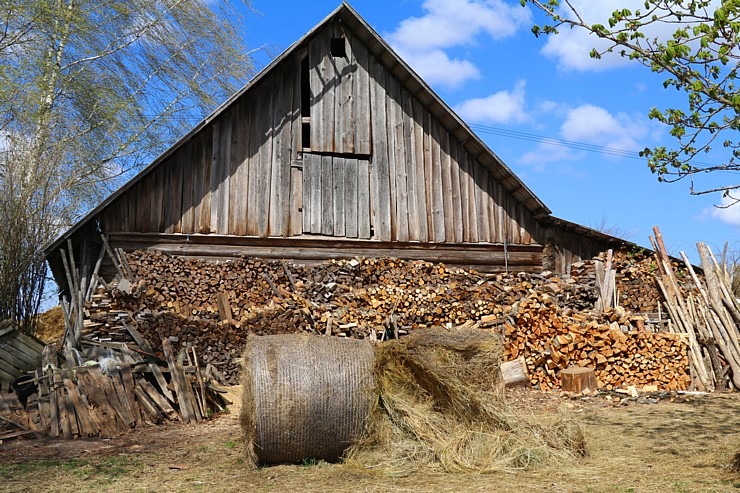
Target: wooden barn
{"x": 336, "y": 149}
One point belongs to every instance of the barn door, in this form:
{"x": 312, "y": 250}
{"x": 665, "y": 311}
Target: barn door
{"x": 336, "y": 196}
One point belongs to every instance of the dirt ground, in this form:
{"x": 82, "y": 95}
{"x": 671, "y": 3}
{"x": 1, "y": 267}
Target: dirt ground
{"x": 664, "y": 443}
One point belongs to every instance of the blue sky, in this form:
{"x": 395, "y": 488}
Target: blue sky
{"x": 516, "y": 91}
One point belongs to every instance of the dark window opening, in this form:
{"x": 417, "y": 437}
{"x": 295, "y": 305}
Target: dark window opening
{"x": 306, "y": 135}
{"x": 338, "y": 48}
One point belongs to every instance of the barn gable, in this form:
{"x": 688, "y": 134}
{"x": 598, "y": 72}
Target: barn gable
{"x": 335, "y": 149}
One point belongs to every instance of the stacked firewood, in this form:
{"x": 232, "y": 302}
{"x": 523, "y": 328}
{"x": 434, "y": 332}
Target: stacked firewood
{"x": 215, "y": 307}
{"x": 550, "y": 341}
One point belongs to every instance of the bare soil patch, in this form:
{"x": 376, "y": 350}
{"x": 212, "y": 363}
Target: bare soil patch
{"x": 644, "y": 445}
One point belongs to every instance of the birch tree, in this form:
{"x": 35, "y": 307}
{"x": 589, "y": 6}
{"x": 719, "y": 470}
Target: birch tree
{"x": 89, "y": 91}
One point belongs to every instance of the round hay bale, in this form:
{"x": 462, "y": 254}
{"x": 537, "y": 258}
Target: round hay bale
{"x": 305, "y": 397}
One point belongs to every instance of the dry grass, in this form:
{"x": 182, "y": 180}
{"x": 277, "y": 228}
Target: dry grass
{"x": 442, "y": 408}
{"x": 50, "y": 325}
{"x": 637, "y": 448}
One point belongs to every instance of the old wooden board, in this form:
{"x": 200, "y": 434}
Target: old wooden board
{"x": 381, "y": 199}
{"x": 349, "y": 173}
{"x": 363, "y": 199}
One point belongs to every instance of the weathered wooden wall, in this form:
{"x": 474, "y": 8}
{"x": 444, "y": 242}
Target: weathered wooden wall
{"x": 378, "y": 166}
{"x": 19, "y": 354}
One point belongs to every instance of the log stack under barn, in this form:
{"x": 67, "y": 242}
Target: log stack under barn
{"x": 547, "y": 319}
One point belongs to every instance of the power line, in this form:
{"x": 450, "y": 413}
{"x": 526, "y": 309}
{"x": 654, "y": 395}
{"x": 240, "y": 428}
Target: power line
{"x": 582, "y": 146}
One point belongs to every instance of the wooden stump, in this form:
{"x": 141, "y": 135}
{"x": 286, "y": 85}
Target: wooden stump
{"x": 514, "y": 373}
{"x": 577, "y": 379}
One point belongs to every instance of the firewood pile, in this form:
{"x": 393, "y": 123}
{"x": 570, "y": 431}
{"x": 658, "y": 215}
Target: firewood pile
{"x": 549, "y": 319}
{"x": 550, "y": 341}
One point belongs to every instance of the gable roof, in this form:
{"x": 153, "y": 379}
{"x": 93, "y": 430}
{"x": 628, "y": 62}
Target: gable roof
{"x": 408, "y": 78}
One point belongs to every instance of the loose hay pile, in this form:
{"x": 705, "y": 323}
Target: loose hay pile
{"x": 442, "y": 405}
{"x": 305, "y": 397}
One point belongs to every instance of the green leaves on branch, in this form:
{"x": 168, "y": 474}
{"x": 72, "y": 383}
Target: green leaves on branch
{"x": 695, "y": 44}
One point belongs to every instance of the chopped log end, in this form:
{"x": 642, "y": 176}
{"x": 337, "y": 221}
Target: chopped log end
{"x": 577, "y": 379}
{"x": 514, "y": 373}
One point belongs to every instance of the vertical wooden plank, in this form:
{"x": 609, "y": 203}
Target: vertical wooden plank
{"x": 363, "y": 198}
{"x": 216, "y": 164}
{"x": 344, "y": 134}
{"x": 472, "y": 209}
{"x": 318, "y": 85}
{"x": 339, "y": 204}
{"x": 491, "y": 190}
{"x": 197, "y": 170}
{"x": 240, "y": 191}
{"x": 224, "y": 168}
{"x": 235, "y": 178}
{"x": 204, "y": 223}
{"x": 449, "y": 217}
{"x": 296, "y": 124}
{"x": 159, "y": 197}
{"x": 132, "y": 205}
{"x": 153, "y": 203}
{"x": 143, "y": 209}
{"x": 418, "y": 170}
{"x": 280, "y": 163}
{"x": 188, "y": 177}
{"x": 173, "y": 206}
{"x": 361, "y": 97}
{"x": 350, "y": 197}
{"x": 438, "y": 208}
{"x": 264, "y": 173}
{"x": 464, "y": 197}
{"x": 455, "y": 190}
{"x": 297, "y": 208}
{"x": 397, "y": 157}
{"x": 410, "y": 163}
{"x": 426, "y": 119}
{"x": 256, "y": 141}
{"x": 232, "y": 165}
{"x": 323, "y": 83}
{"x": 380, "y": 171}
{"x": 500, "y": 226}
{"x": 480, "y": 204}
{"x": 306, "y": 188}
{"x": 312, "y": 190}
{"x": 327, "y": 195}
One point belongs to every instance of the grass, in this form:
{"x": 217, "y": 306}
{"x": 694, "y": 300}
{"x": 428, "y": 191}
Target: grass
{"x": 92, "y": 471}
{"x": 638, "y": 448}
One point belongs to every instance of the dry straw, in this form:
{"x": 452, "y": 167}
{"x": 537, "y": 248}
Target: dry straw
{"x": 442, "y": 406}
{"x": 304, "y": 397}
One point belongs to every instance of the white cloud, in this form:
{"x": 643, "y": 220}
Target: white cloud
{"x": 728, "y": 214}
{"x": 590, "y": 125}
{"x": 436, "y": 67}
{"x": 594, "y": 125}
{"x": 545, "y": 153}
{"x": 571, "y": 47}
{"x": 450, "y": 23}
{"x": 501, "y": 107}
